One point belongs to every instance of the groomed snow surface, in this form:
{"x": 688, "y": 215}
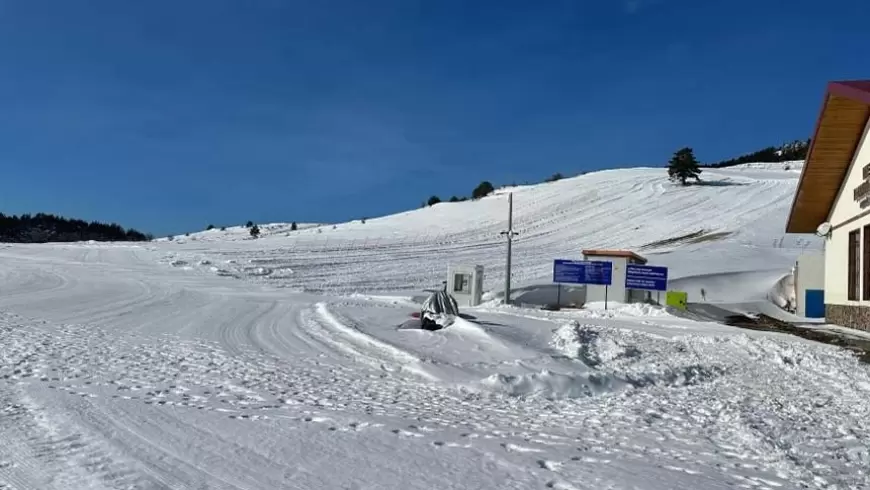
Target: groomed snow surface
{"x": 276, "y": 363}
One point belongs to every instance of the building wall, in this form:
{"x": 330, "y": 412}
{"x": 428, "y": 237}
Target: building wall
{"x": 809, "y": 274}
{"x": 838, "y": 308}
{"x": 616, "y": 292}
{"x": 845, "y": 207}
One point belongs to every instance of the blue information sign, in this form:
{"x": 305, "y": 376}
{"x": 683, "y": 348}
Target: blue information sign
{"x": 646, "y": 277}
{"x": 582, "y": 272}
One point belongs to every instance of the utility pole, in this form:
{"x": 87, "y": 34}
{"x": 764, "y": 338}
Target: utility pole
{"x": 510, "y": 236}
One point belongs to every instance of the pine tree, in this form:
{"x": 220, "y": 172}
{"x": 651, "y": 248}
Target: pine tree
{"x": 255, "y": 231}
{"x": 684, "y": 166}
{"x": 433, "y": 200}
{"x": 482, "y": 190}
{"x": 293, "y": 226}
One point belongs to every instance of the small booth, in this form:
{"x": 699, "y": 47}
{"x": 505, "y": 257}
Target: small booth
{"x": 617, "y": 290}
{"x": 465, "y": 283}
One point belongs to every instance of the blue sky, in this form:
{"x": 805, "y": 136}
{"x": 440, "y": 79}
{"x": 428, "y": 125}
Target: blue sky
{"x": 170, "y": 115}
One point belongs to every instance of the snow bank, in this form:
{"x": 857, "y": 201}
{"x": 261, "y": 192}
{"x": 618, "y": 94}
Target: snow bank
{"x": 734, "y": 287}
{"x": 551, "y": 385}
{"x": 596, "y": 309}
{"x": 638, "y": 359}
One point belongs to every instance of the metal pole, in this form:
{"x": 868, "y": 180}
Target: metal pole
{"x": 605, "y": 296}
{"x": 559, "y": 296}
{"x": 510, "y": 235}
{"x": 507, "y": 277}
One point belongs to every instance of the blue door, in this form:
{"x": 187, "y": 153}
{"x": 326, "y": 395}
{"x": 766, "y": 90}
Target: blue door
{"x": 815, "y": 303}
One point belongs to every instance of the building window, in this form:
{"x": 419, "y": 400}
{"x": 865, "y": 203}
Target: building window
{"x": 461, "y": 283}
{"x": 866, "y": 290}
{"x": 854, "y": 264}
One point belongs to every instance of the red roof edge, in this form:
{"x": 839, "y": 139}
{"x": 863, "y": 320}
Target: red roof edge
{"x": 853, "y": 89}
{"x": 615, "y": 253}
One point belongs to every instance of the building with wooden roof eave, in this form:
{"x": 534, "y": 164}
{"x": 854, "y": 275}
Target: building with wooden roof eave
{"x": 833, "y": 200}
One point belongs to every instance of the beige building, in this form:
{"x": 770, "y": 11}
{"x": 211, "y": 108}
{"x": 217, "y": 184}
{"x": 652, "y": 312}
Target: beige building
{"x": 833, "y": 199}
{"x": 617, "y": 290}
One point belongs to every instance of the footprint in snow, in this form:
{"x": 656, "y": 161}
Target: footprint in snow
{"x": 549, "y": 465}
{"x": 560, "y": 485}
{"x": 406, "y": 433}
{"x": 513, "y": 448}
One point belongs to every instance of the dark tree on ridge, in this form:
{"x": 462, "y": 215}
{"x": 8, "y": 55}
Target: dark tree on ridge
{"x": 684, "y": 166}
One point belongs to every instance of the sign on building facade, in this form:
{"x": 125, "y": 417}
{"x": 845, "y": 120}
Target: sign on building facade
{"x": 649, "y": 277}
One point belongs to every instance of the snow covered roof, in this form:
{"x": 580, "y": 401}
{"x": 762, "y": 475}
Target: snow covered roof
{"x": 843, "y": 117}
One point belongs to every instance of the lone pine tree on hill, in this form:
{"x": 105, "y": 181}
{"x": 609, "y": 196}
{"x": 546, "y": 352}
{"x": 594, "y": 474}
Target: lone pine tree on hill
{"x": 683, "y": 166}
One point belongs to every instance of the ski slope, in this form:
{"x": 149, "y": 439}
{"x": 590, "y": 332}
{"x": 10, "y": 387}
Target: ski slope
{"x": 205, "y": 362}
{"x": 737, "y": 219}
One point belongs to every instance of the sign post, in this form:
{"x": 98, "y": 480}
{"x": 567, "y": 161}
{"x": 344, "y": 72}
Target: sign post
{"x": 583, "y": 272}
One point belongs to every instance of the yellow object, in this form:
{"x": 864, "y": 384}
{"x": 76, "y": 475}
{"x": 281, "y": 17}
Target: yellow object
{"x": 677, "y": 299}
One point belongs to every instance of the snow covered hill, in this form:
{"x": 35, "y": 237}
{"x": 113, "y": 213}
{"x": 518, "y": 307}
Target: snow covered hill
{"x": 220, "y": 362}
{"x": 235, "y": 233}
{"x": 732, "y": 223}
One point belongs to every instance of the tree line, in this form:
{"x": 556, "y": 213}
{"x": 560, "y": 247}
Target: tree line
{"x": 795, "y": 150}
{"x": 684, "y": 166}
{"x": 42, "y": 228}
{"x": 482, "y": 190}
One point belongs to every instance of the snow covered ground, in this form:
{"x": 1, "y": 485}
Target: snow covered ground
{"x": 278, "y": 362}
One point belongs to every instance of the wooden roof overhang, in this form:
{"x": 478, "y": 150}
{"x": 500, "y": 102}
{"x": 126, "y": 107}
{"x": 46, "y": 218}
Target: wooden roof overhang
{"x": 841, "y": 123}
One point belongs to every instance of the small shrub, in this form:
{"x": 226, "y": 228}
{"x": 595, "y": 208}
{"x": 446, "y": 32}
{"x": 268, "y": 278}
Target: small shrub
{"x": 249, "y": 224}
{"x": 255, "y": 231}
{"x": 209, "y": 228}
{"x": 433, "y": 200}
{"x": 454, "y": 199}
{"x": 223, "y": 228}
{"x": 556, "y": 176}
{"x": 293, "y": 226}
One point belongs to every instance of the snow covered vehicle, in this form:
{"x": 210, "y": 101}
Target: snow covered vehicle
{"x": 439, "y": 310}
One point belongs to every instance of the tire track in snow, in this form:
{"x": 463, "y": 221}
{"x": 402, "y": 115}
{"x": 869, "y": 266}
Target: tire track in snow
{"x": 329, "y": 329}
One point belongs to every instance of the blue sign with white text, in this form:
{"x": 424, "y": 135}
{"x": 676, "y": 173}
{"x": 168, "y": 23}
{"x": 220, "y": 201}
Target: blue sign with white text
{"x": 647, "y": 277}
{"x": 582, "y": 272}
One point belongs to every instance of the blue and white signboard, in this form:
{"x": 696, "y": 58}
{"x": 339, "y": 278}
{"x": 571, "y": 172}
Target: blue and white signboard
{"x": 647, "y": 277}
{"x": 582, "y": 272}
